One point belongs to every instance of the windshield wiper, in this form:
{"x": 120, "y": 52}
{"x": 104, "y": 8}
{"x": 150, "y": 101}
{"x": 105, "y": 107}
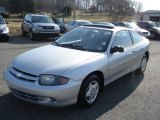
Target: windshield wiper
{"x": 73, "y": 46}
{"x": 56, "y": 43}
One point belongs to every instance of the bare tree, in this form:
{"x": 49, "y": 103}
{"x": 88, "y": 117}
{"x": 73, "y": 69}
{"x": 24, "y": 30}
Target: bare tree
{"x": 138, "y": 6}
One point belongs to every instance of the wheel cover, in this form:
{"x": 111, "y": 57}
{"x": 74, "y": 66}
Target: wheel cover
{"x": 143, "y": 64}
{"x": 92, "y": 92}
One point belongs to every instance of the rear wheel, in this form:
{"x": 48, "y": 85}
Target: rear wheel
{"x": 89, "y": 91}
{"x": 143, "y": 65}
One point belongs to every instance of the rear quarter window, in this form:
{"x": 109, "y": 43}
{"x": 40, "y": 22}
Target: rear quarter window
{"x": 135, "y": 37}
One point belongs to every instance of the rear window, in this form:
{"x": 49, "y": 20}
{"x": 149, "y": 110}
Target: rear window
{"x": 83, "y": 23}
{"x": 135, "y": 37}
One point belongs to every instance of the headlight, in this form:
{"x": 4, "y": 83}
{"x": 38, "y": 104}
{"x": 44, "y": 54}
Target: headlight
{"x": 4, "y": 29}
{"x": 52, "y": 80}
{"x": 38, "y": 27}
{"x": 57, "y": 28}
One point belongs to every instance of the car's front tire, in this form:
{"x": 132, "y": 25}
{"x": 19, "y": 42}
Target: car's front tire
{"x": 89, "y": 91}
{"x": 23, "y": 33}
{"x": 31, "y": 35}
{"x": 143, "y": 65}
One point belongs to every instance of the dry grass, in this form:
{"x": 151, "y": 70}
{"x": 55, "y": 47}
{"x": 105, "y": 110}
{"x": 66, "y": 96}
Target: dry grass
{"x": 15, "y": 24}
{"x": 15, "y": 28}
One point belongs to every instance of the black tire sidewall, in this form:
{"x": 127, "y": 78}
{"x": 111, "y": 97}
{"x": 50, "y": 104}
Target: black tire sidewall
{"x": 139, "y": 70}
{"x": 82, "y": 94}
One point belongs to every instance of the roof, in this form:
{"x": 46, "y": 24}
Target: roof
{"x": 106, "y": 27}
{"x": 81, "y": 20}
{"x": 36, "y": 14}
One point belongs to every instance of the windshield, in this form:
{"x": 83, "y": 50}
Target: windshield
{"x": 132, "y": 26}
{"x": 83, "y": 23}
{"x": 153, "y": 25}
{"x": 1, "y": 20}
{"x": 87, "y": 39}
{"x": 41, "y": 19}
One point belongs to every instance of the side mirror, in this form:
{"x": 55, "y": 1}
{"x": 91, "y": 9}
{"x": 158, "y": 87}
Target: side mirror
{"x": 7, "y": 22}
{"x": 116, "y": 49}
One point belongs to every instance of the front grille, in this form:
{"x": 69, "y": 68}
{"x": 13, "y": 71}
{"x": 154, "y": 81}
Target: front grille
{"x": 48, "y": 27}
{"x": 25, "y": 73}
{"x": 20, "y": 75}
{"x": 25, "y": 95}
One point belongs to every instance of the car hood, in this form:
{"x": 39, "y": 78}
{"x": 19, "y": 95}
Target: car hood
{"x": 46, "y": 24}
{"x": 140, "y": 30}
{"x": 2, "y": 25}
{"x": 156, "y": 28}
{"x": 50, "y": 59}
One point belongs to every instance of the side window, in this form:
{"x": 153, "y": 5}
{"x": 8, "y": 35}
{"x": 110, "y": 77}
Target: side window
{"x": 71, "y": 23}
{"x": 122, "y": 39}
{"x": 120, "y": 24}
{"x": 29, "y": 18}
{"x": 75, "y": 24}
{"x": 135, "y": 37}
{"x": 26, "y": 18}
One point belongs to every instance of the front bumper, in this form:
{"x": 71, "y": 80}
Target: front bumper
{"x": 46, "y": 35}
{"x": 4, "y": 36}
{"x": 62, "y": 95}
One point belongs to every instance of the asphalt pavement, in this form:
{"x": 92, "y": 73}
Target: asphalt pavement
{"x": 132, "y": 97}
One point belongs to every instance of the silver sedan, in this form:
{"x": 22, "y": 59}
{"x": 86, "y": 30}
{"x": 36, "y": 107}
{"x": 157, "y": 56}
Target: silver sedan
{"x": 76, "y": 67}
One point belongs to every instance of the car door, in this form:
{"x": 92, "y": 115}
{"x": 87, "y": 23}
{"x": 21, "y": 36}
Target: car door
{"x": 137, "y": 47}
{"x": 121, "y": 63}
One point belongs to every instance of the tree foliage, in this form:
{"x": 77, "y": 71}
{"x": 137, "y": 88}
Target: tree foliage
{"x": 67, "y": 10}
{"x": 117, "y": 9}
{"x": 19, "y": 6}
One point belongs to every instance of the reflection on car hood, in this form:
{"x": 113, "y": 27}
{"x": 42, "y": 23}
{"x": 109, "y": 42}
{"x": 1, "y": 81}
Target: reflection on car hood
{"x": 45, "y": 24}
{"x": 2, "y": 25}
{"x": 140, "y": 30}
{"x": 157, "y": 28}
{"x": 51, "y": 59}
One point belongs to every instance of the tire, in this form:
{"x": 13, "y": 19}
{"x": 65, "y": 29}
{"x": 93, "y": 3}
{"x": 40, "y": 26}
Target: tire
{"x": 23, "y": 33}
{"x": 31, "y": 35}
{"x": 153, "y": 36}
{"x": 7, "y": 38}
{"x": 65, "y": 31}
{"x": 143, "y": 65}
{"x": 89, "y": 91}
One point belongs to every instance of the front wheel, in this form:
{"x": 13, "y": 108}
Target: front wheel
{"x": 89, "y": 91}
{"x": 23, "y": 33}
{"x": 31, "y": 35}
{"x": 143, "y": 65}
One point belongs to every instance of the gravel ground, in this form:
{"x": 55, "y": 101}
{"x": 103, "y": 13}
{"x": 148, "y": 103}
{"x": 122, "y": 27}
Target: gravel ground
{"x": 132, "y": 97}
